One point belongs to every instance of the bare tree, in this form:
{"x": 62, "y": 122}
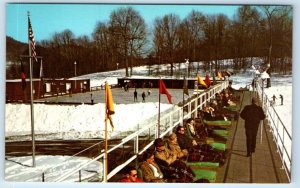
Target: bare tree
{"x": 245, "y": 31}
{"x": 272, "y": 13}
{"x": 215, "y": 29}
{"x": 195, "y": 24}
{"x": 191, "y": 35}
{"x": 129, "y": 30}
{"x": 102, "y": 46}
{"x": 166, "y": 37}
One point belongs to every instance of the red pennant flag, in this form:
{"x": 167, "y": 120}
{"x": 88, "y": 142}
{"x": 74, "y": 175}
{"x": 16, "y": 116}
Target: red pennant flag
{"x": 163, "y": 90}
{"x": 223, "y": 74}
{"x": 207, "y": 81}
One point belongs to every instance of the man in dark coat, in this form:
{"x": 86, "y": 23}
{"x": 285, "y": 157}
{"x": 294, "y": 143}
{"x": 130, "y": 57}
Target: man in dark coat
{"x": 183, "y": 140}
{"x": 252, "y": 114}
{"x": 135, "y": 95}
{"x": 281, "y": 99}
{"x": 143, "y": 96}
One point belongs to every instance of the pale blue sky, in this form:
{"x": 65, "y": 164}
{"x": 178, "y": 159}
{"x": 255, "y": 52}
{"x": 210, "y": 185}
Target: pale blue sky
{"x": 81, "y": 19}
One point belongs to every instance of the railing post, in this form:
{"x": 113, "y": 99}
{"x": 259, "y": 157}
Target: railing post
{"x": 171, "y": 122}
{"x": 195, "y": 106}
{"x": 79, "y": 175}
{"x": 181, "y": 114}
{"x": 136, "y": 147}
{"x": 277, "y": 135}
{"x": 283, "y": 149}
{"x": 43, "y": 177}
{"x": 104, "y": 169}
{"x": 189, "y": 108}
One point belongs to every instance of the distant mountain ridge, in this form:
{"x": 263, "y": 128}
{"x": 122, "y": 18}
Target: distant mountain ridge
{"x": 14, "y": 49}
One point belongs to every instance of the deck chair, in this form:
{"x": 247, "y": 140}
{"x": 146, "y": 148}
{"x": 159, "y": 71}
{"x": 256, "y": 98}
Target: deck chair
{"x": 218, "y": 135}
{"x": 216, "y": 145}
{"x": 219, "y": 123}
{"x": 204, "y": 165}
{"x": 222, "y": 133}
{"x": 210, "y": 175}
{"x": 205, "y": 170}
{"x": 232, "y": 108}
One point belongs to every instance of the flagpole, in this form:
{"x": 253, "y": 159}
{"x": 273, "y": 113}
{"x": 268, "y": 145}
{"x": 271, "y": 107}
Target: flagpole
{"x": 41, "y": 79}
{"x": 31, "y": 100}
{"x": 158, "y": 123}
{"x": 187, "y": 74}
{"x": 183, "y": 100}
{"x": 105, "y": 139}
{"x": 105, "y": 151}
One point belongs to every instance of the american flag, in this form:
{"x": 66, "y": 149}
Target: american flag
{"x": 31, "y": 40}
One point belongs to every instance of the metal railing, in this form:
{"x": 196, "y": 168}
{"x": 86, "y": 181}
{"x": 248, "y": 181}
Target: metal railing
{"x": 147, "y": 129}
{"x": 281, "y": 135}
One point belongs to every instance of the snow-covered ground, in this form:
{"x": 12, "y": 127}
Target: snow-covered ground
{"x": 87, "y": 121}
{"x": 20, "y": 168}
{"x": 76, "y": 122}
{"x": 281, "y": 84}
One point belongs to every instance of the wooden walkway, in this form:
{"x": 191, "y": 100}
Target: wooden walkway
{"x": 264, "y": 166}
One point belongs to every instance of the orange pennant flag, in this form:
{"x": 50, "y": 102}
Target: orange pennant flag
{"x": 201, "y": 82}
{"x": 220, "y": 75}
{"x": 109, "y": 102}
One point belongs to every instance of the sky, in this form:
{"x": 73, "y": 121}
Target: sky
{"x": 67, "y": 123}
{"x": 81, "y": 19}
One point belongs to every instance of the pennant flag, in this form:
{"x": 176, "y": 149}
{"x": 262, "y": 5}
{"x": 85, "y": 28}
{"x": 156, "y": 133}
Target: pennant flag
{"x": 207, "y": 81}
{"x": 220, "y": 75}
{"x": 201, "y": 82}
{"x": 163, "y": 90}
{"x": 31, "y": 40}
{"x": 223, "y": 74}
{"x": 109, "y": 104}
{"x": 185, "y": 86}
{"x": 23, "y": 77}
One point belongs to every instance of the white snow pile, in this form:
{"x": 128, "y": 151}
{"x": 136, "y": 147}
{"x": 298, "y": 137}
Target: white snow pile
{"x": 76, "y": 122}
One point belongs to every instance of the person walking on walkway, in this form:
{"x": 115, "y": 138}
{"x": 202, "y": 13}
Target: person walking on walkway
{"x": 274, "y": 99}
{"x": 135, "y": 95}
{"x": 252, "y": 114}
{"x": 281, "y": 99}
{"x": 143, "y": 96}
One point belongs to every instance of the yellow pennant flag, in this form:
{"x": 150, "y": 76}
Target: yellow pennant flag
{"x": 109, "y": 102}
{"x": 220, "y": 75}
{"x": 201, "y": 82}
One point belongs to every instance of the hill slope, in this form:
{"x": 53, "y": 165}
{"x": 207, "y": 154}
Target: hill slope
{"x": 14, "y": 49}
